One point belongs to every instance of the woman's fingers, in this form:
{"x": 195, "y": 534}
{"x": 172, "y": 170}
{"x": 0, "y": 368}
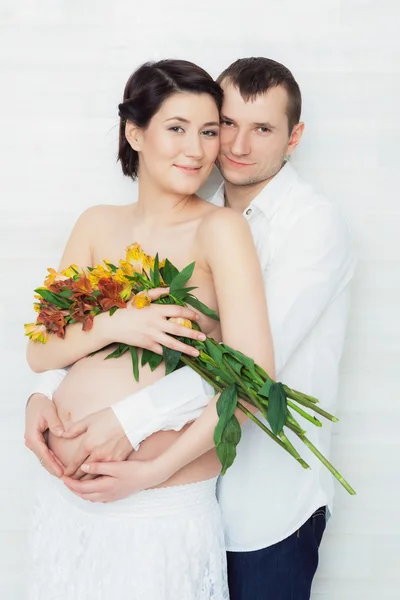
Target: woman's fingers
{"x": 182, "y": 331}
{"x": 174, "y": 344}
{"x": 173, "y": 310}
{"x": 156, "y": 293}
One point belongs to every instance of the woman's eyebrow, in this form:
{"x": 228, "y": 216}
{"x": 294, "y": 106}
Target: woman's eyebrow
{"x": 182, "y": 120}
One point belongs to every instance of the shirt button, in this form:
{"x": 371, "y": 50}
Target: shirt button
{"x": 248, "y": 211}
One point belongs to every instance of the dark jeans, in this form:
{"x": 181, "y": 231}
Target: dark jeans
{"x": 283, "y": 571}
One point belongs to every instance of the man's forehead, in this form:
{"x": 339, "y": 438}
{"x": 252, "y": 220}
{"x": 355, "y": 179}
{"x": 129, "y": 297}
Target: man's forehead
{"x": 264, "y": 106}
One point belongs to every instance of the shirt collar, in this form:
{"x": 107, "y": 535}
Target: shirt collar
{"x": 268, "y": 200}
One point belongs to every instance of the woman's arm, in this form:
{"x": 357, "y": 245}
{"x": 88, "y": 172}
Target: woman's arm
{"x": 146, "y": 328}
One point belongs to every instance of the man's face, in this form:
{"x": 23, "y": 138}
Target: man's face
{"x": 254, "y": 136}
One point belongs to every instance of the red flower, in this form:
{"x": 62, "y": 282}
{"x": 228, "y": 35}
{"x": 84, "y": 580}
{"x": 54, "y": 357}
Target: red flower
{"x": 110, "y": 294}
{"x": 53, "y": 319}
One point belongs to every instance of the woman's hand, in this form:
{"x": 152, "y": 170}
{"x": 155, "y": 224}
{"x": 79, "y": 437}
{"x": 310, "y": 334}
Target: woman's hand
{"x": 150, "y": 327}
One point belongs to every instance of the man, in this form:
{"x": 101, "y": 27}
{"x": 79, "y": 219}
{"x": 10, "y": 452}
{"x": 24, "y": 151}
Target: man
{"x": 274, "y": 511}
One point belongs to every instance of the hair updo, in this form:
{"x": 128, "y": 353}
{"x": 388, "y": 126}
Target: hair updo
{"x": 147, "y": 88}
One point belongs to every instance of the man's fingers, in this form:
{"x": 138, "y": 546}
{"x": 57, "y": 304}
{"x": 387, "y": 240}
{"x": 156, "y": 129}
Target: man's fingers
{"x": 76, "y": 429}
{"x": 100, "y": 484}
{"x": 77, "y": 460}
{"x": 102, "y": 468}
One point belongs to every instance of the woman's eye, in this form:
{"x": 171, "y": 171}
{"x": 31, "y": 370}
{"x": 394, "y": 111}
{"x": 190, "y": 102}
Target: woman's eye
{"x": 210, "y": 133}
{"x": 176, "y": 128}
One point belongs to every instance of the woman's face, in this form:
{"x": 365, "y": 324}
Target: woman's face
{"x": 179, "y": 147}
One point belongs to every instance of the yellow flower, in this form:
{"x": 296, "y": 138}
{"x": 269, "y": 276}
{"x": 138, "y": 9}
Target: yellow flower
{"x": 36, "y": 332}
{"x": 125, "y": 269}
{"x": 134, "y": 253}
{"x": 99, "y": 272}
{"x": 126, "y": 292}
{"x": 70, "y": 271}
{"x": 141, "y": 300}
{"x": 180, "y": 321}
{"x": 36, "y": 307}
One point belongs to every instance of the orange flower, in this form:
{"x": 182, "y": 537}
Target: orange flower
{"x": 110, "y": 294}
{"x": 180, "y": 321}
{"x": 36, "y": 332}
{"x": 52, "y": 277}
{"x": 141, "y": 300}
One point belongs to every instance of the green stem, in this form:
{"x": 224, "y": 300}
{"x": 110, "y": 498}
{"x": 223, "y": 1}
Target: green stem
{"x": 303, "y": 413}
{"x": 317, "y": 409}
{"x": 270, "y": 434}
{"x": 295, "y": 395}
{"x": 294, "y": 452}
{"x": 327, "y": 464}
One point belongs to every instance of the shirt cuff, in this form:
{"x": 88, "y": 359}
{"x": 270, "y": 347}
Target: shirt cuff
{"x": 168, "y": 404}
{"x": 46, "y": 383}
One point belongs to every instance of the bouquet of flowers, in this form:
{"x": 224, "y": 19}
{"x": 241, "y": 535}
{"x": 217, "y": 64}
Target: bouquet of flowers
{"x": 77, "y": 295}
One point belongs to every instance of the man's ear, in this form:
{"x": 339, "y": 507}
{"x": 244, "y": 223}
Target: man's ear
{"x": 133, "y": 134}
{"x": 295, "y": 137}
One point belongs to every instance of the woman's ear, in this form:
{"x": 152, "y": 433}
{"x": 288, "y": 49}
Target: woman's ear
{"x": 133, "y": 134}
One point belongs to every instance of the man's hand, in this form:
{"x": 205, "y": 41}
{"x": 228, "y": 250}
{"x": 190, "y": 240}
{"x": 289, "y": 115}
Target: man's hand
{"x": 102, "y": 439}
{"x": 115, "y": 481}
{"x": 41, "y": 415}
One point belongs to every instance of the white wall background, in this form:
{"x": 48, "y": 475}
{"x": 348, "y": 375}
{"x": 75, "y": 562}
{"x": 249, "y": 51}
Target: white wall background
{"x": 63, "y": 65}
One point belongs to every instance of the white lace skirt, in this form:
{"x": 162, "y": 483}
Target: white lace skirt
{"x": 162, "y": 544}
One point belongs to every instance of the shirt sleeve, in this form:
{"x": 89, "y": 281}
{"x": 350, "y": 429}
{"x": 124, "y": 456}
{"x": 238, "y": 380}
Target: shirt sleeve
{"x": 167, "y": 404}
{"x": 312, "y": 266}
{"x": 47, "y": 382}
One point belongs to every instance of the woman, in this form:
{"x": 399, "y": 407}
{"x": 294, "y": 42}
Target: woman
{"x": 166, "y": 542}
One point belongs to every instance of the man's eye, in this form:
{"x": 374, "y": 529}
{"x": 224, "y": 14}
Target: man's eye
{"x": 176, "y": 128}
{"x": 226, "y": 123}
{"x": 263, "y": 129}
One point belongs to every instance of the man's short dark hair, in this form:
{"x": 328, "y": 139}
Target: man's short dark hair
{"x": 255, "y": 75}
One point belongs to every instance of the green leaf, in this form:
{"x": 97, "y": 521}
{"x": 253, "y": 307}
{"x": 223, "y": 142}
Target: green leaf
{"x": 182, "y": 278}
{"x": 169, "y": 271}
{"x": 65, "y": 294}
{"x": 277, "y": 408}
{"x": 226, "y": 450}
{"x": 226, "y": 405}
{"x": 182, "y": 292}
{"x": 151, "y": 358}
{"x": 135, "y": 362}
{"x": 264, "y": 391}
{"x": 208, "y": 312}
{"x": 245, "y": 360}
{"x": 113, "y": 268}
{"x": 171, "y": 359}
{"x": 53, "y": 298}
{"x": 234, "y": 363}
{"x": 214, "y": 350}
{"x": 119, "y": 351}
{"x": 156, "y": 272}
{"x": 113, "y": 310}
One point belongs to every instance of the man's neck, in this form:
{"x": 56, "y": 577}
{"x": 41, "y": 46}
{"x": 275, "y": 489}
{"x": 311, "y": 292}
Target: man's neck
{"x": 238, "y": 197}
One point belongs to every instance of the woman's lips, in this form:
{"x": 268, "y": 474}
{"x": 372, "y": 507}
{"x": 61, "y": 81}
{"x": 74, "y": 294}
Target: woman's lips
{"x": 188, "y": 170}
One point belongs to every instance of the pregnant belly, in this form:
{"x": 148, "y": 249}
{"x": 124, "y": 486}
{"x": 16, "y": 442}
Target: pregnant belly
{"x": 93, "y": 384}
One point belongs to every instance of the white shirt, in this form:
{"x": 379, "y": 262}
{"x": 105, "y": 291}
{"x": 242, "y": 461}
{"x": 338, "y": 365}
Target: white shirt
{"x": 305, "y": 252}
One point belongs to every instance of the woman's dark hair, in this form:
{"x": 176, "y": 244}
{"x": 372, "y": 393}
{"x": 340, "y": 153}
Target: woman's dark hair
{"x": 147, "y": 88}
{"x": 255, "y": 75}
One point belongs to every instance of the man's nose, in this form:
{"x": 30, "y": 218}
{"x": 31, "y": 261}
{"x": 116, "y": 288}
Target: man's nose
{"x": 240, "y": 145}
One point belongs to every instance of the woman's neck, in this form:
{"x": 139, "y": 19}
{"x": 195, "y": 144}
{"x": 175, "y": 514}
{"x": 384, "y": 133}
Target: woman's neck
{"x": 156, "y": 205}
